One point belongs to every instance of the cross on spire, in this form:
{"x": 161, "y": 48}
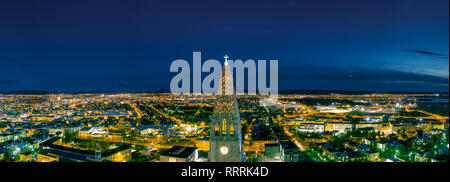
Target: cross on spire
{"x": 226, "y": 59}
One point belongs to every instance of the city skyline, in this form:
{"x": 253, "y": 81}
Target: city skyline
{"x": 164, "y": 127}
{"x": 272, "y": 90}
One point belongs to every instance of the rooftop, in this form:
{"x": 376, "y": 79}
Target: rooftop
{"x": 179, "y": 151}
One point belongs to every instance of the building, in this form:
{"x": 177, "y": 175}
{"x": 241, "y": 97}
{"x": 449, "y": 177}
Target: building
{"x": 15, "y": 150}
{"x": 47, "y": 157}
{"x": 3, "y": 153}
{"x": 202, "y": 144}
{"x": 341, "y": 127}
{"x": 405, "y": 127}
{"x": 58, "y": 155}
{"x": 93, "y": 132}
{"x": 189, "y": 128}
{"x": 372, "y": 155}
{"x": 272, "y": 150}
{"x": 289, "y": 152}
{"x": 258, "y": 145}
{"x": 151, "y": 129}
{"x": 26, "y": 157}
{"x": 225, "y": 134}
{"x": 84, "y": 132}
{"x": 117, "y": 152}
{"x": 311, "y": 127}
{"x": 180, "y": 154}
{"x": 341, "y": 157}
{"x": 13, "y": 135}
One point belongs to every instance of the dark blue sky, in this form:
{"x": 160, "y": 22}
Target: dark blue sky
{"x": 111, "y": 45}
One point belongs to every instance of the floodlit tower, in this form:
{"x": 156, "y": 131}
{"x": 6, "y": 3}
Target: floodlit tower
{"x": 225, "y": 134}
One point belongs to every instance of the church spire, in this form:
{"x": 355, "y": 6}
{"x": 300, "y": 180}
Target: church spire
{"x": 226, "y": 83}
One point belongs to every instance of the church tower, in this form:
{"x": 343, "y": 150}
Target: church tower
{"x": 225, "y": 143}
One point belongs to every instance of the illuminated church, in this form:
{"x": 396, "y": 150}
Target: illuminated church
{"x": 226, "y": 135}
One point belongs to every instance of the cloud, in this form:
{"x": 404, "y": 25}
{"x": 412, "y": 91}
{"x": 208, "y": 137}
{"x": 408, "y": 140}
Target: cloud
{"x": 358, "y": 78}
{"x": 8, "y": 82}
{"x": 428, "y": 53}
{"x": 404, "y": 40}
{"x": 13, "y": 60}
{"x": 25, "y": 65}
{"x": 355, "y": 74}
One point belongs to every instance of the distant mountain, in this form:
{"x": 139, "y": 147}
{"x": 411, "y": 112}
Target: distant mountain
{"x": 27, "y": 92}
{"x": 38, "y": 92}
{"x": 349, "y": 92}
{"x": 287, "y": 92}
{"x": 318, "y": 92}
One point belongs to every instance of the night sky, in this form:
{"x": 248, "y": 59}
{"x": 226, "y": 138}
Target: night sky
{"x": 128, "y": 46}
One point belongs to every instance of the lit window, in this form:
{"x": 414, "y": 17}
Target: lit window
{"x": 231, "y": 130}
{"x": 224, "y": 126}
{"x": 216, "y": 129}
